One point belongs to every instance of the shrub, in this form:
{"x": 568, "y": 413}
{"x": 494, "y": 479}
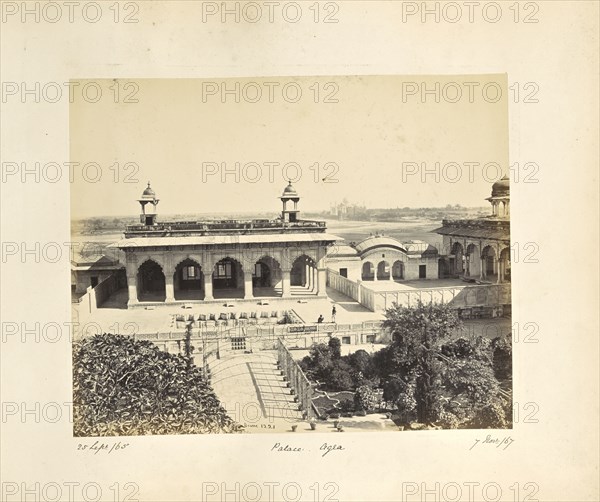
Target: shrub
{"x": 502, "y": 350}
{"x": 125, "y": 387}
{"x": 365, "y": 398}
{"x": 346, "y": 406}
{"x": 335, "y": 346}
{"x": 338, "y": 377}
{"x": 491, "y": 416}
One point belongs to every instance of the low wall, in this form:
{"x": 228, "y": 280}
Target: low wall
{"x": 86, "y": 305}
{"x": 456, "y": 296}
{"x": 219, "y": 340}
{"x": 343, "y": 284}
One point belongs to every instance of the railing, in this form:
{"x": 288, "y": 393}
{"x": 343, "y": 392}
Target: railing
{"x": 224, "y": 225}
{"x": 456, "y": 296}
{"x": 296, "y": 378}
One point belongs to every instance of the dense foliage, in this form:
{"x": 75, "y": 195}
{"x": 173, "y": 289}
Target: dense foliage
{"x": 434, "y": 378}
{"x": 335, "y": 372}
{"x": 127, "y": 387}
{"x": 427, "y": 374}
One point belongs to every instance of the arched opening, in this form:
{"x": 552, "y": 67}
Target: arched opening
{"x": 188, "y": 281}
{"x": 151, "y": 282}
{"x": 368, "y": 271}
{"x": 505, "y": 265}
{"x": 473, "y": 261}
{"x": 489, "y": 264}
{"x": 303, "y": 276}
{"x": 228, "y": 279}
{"x": 456, "y": 259}
{"x": 266, "y": 277}
{"x": 398, "y": 270}
{"x": 443, "y": 268}
{"x": 383, "y": 271}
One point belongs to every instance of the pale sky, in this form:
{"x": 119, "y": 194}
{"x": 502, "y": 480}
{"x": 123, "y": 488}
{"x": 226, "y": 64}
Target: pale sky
{"x": 178, "y": 129}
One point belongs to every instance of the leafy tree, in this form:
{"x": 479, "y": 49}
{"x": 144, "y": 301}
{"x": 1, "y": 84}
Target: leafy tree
{"x": 127, "y": 387}
{"x": 419, "y": 334}
{"x": 335, "y": 346}
{"x": 318, "y": 363}
{"x": 339, "y": 376}
{"x": 362, "y": 362}
{"x": 435, "y": 378}
{"x": 502, "y": 350}
{"x": 188, "y": 348}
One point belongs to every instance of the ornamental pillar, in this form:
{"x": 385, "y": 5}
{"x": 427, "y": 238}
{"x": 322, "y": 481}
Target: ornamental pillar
{"x": 132, "y": 287}
{"x": 169, "y": 290}
{"x": 322, "y": 282}
{"x": 248, "y": 293}
{"x": 286, "y": 290}
{"x": 208, "y": 286}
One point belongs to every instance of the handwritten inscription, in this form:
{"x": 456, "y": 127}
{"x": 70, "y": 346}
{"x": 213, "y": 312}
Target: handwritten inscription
{"x": 502, "y": 443}
{"x": 324, "y": 449}
{"x": 99, "y": 446}
{"x": 328, "y": 448}
{"x": 286, "y": 447}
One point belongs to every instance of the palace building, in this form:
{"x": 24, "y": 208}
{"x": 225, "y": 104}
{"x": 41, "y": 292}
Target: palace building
{"x": 479, "y": 248}
{"x": 208, "y": 260}
{"x": 383, "y": 258}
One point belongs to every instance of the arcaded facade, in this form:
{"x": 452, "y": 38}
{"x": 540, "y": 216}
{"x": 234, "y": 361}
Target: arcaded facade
{"x": 207, "y": 260}
{"x": 479, "y": 248}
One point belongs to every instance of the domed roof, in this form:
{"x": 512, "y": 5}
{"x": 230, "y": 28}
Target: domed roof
{"x": 378, "y": 241}
{"x": 289, "y": 191}
{"x": 501, "y": 188}
{"x": 148, "y": 193}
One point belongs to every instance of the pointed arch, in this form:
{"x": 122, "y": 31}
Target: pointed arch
{"x": 151, "y": 281}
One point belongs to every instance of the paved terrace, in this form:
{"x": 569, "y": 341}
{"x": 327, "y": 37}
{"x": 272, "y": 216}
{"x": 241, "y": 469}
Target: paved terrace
{"x": 389, "y": 285}
{"x": 113, "y": 314}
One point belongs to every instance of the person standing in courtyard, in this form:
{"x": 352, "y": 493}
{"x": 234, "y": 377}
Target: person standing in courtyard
{"x": 333, "y": 313}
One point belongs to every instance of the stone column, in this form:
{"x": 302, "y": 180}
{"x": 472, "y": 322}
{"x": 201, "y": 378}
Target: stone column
{"x": 208, "y": 289}
{"x": 132, "y": 289}
{"x": 132, "y": 276}
{"x": 482, "y": 267}
{"x": 322, "y": 282}
{"x": 169, "y": 290}
{"x": 248, "y": 294}
{"x": 285, "y": 282}
{"x": 500, "y": 272}
{"x": 307, "y": 276}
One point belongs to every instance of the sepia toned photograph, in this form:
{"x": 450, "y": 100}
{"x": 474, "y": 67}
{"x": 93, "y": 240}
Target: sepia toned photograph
{"x": 348, "y": 272}
{"x": 299, "y": 251}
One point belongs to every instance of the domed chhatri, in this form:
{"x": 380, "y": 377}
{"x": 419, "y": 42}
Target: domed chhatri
{"x": 148, "y": 193}
{"x": 148, "y": 215}
{"x": 290, "y": 195}
{"x": 500, "y": 199}
{"x": 501, "y": 188}
{"x": 289, "y": 191}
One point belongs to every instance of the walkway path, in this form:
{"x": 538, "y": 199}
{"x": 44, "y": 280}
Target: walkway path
{"x": 252, "y": 390}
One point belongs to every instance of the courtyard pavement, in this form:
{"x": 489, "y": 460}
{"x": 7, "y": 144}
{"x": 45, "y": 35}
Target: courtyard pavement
{"x": 414, "y": 284}
{"x": 113, "y": 315}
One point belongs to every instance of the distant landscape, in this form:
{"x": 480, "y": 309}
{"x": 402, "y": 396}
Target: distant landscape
{"x": 403, "y": 224}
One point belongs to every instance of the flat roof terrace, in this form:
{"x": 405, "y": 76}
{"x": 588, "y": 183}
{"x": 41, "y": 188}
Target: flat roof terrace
{"x": 221, "y": 227}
